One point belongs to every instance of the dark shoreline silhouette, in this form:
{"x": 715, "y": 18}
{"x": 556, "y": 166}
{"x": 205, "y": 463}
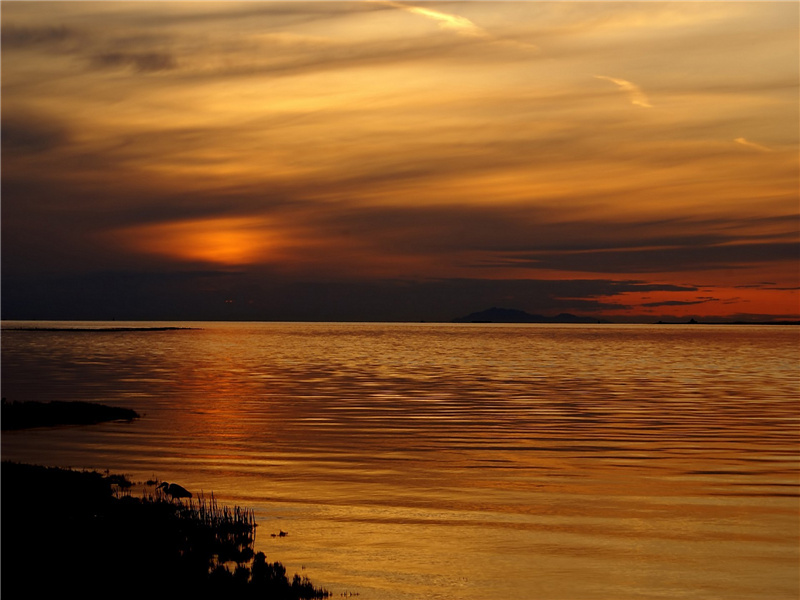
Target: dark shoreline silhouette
{"x": 27, "y": 415}
{"x": 81, "y": 534}
{"x": 97, "y": 329}
{"x": 695, "y": 322}
{"x": 513, "y": 315}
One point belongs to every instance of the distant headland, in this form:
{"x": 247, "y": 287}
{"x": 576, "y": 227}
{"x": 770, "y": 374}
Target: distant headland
{"x": 512, "y": 315}
{"x": 95, "y": 329}
{"x": 26, "y": 415}
{"x": 696, "y": 322}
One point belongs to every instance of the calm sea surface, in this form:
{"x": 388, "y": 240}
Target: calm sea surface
{"x": 475, "y": 462}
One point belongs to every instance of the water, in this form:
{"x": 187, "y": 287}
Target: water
{"x": 474, "y": 462}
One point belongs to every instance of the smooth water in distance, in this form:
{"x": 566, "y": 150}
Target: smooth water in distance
{"x": 474, "y": 461}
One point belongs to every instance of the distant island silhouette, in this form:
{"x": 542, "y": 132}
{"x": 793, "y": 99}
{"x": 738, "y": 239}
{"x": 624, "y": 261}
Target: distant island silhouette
{"x": 513, "y": 315}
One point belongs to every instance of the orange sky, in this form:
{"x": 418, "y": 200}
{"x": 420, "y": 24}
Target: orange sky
{"x": 392, "y": 160}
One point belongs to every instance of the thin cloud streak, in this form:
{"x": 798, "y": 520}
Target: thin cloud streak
{"x": 635, "y": 93}
{"x": 460, "y": 25}
{"x": 754, "y": 145}
{"x": 445, "y": 21}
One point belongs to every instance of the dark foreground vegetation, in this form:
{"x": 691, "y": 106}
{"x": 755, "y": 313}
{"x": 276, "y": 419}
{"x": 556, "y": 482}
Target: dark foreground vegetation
{"x": 24, "y": 415}
{"x": 70, "y": 534}
{"x": 95, "y": 329}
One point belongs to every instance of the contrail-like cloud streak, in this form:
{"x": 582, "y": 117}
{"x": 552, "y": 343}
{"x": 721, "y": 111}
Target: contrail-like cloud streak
{"x": 459, "y": 25}
{"x": 634, "y": 91}
{"x": 754, "y": 145}
{"x": 455, "y": 23}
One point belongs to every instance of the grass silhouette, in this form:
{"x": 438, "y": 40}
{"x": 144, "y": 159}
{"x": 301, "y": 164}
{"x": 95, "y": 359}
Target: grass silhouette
{"x": 81, "y": 534}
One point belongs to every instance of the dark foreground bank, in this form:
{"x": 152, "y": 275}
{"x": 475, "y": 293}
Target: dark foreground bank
{"x": 26, "y": 415}
{"x": 70, "y": 534}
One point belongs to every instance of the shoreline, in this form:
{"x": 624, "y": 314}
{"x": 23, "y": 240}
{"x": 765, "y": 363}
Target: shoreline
{"x": 16, "y": 416}
{"x": 98, "y": 329}
{"x": 71, "y": 532}
{"x": 100, "y": 538}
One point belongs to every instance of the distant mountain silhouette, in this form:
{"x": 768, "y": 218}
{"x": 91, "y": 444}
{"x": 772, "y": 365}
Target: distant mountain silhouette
{"x": 512, "y": 315}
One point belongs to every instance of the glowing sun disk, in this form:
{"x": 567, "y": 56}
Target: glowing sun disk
{"x": 227, "y": 241}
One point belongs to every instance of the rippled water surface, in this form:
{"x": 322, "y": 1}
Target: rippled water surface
{"x": 476, "y": 462}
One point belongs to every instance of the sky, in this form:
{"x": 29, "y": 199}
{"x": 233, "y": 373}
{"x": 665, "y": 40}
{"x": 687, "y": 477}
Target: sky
{"x": 400, "y": 161}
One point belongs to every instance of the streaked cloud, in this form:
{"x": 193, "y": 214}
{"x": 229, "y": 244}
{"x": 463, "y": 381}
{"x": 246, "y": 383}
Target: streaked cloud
{"x": 634, "y": 92}
{"x": 461, "y": 25}
{"x": 399, "y": 151}
{"x": 685, "y": 258}
{"x": 144, "y": 62}
{"x": 30, "y": 37}
{"x": 27, "y": 132}
{"x": 446, "y": 21}
{"x": 754, "y": 145}
{"x": 678, "y": 302}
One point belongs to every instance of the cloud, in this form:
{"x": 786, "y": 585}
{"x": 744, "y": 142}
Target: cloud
{"x": 143, "y": 62}
{"x": 219, "y": 241}
{"x": 754, "y": 145}
{"x": 678, "y": 302}
{"x": 767, "y": 285}
{"x": 99, "y": 48}
{"x": 446, "y": 21}
{"x": 391, "y": 138}
{"x": 460, "y": 25}
{"x": 26, "y": 132}
{"x": 14, "y": 36}
{"x": 658, "y": 260}
{"x": 760, "y": 285}
{"x": 635, "y": 93}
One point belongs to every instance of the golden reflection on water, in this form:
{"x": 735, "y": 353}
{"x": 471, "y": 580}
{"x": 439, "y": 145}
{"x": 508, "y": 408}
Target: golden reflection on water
{"x": 441, "y": 461}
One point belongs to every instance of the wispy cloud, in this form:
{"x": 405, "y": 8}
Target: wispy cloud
{"x": 422, "y": 142}
{"x": 460, "y": 25}
{"x": 28, "y": 37}
{"x": 142, "y": 62}
{"x": 447, "y": 21}
{"x": 754, "y": 145}
{"x": 26, "y": 132}
{"x": 679, "y": 302}
{"x": 635, "y": 93}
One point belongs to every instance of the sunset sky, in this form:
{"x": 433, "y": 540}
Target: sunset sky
{"x": 381, "y": 160}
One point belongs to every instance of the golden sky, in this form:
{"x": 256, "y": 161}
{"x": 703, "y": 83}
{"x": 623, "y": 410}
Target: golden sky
{"x": 394, "y": 160}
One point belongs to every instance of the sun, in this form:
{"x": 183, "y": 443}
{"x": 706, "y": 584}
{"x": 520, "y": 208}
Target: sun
{"x": 226, "y": 241}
